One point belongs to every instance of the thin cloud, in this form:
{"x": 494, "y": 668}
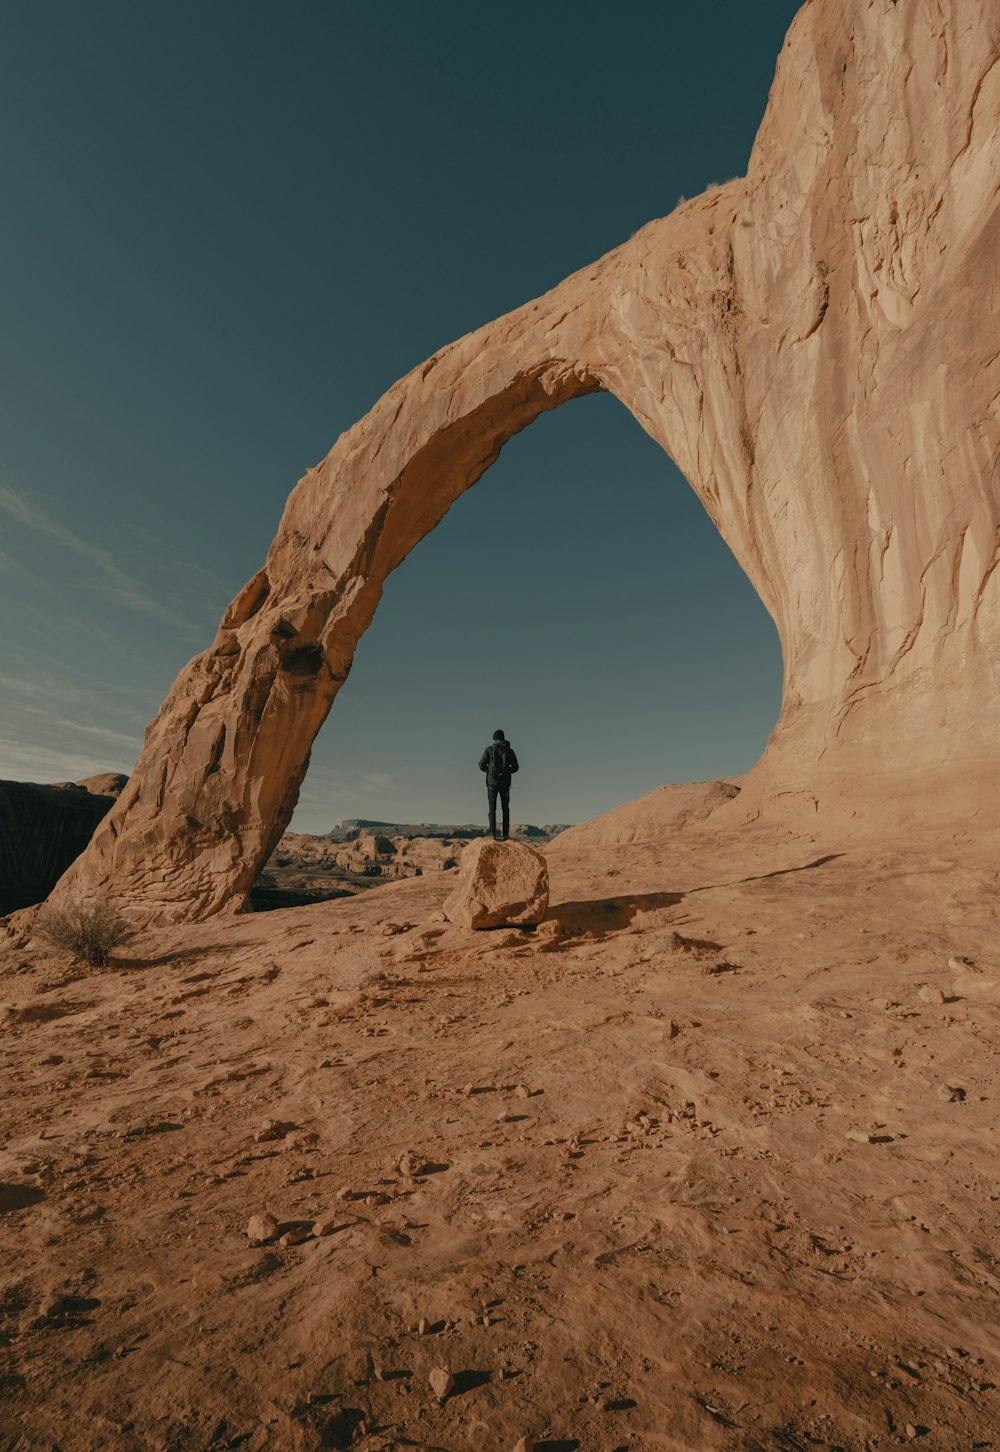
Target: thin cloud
{"x": 117, "y": 584}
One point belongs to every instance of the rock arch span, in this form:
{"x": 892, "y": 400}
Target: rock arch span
{"x": 815, "y": 345}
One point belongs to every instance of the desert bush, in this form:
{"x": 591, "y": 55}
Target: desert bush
{"x": 359, "y": 966}
{"x": 88, "y": 930}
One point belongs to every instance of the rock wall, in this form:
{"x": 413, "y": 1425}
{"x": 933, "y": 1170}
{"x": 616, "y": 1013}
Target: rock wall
{"x": 42, "y": 830}
{"x": 815, "y": 345}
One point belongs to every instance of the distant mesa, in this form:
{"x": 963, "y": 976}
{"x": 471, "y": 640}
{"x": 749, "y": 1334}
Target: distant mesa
{"x": 107, "y": 784}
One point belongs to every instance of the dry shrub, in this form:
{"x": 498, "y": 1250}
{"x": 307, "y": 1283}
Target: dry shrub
{"x": 88, "y": 930}
{"x": 359, "y": 966}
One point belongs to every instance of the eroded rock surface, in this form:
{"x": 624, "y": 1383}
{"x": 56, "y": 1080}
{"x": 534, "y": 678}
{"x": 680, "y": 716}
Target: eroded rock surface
{"x": 499, "y": 883}
{"x": 814, "y": 344}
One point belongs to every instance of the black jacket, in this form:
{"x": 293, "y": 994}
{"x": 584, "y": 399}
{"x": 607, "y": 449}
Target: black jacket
{"x": 499, "y": 762}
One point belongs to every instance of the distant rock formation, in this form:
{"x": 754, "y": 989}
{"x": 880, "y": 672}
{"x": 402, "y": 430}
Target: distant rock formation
{"x": 814, "y": 344}
{"x": 42, "y": 830}
{"x": 350, "y": 827}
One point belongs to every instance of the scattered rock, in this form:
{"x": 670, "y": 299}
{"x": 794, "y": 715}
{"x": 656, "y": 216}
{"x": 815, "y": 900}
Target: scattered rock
{"x": 306, "y": 1140}
{"x": 929, "y": 994}
{"x": 326, "y": 1225}
{"x": 442, "y": 1382}
{"x": 499, "y": 883}
{"x": 410, "y": 1164}
{"x": 524, "y": 1444}
{"x": 261, "y": 1228}
{"x": 295, "y": 1236}
{"x": 270, "y": 1129}
{"x": 951, "y": 1093}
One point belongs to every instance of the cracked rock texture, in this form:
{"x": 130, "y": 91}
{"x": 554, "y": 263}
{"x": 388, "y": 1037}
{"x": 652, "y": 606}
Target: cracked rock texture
{"x": 814, "y": 344}
{"x": 499, "y": 883}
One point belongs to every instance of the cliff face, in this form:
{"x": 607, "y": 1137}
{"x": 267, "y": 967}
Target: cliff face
{"x": 815, "y": 345}
{"x": 42, "y": 830}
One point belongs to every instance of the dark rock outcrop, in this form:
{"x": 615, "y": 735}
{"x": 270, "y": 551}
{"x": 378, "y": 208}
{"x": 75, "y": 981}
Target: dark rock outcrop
{"x": 42, "y": 830}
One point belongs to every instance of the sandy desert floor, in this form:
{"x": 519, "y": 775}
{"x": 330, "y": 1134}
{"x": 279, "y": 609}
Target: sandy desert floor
{"x": 706, "y": 1162}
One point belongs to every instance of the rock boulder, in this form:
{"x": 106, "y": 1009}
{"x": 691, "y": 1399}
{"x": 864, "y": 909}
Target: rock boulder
{"x": 499, "y": 884}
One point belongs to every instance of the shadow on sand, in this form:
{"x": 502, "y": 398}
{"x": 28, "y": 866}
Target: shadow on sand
{"x": 603, "y": 916}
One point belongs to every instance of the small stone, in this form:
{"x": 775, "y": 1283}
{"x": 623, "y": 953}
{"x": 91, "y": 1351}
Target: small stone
{"x": 345, "y": 1194}
{"x": 261, "y": 1228}
{"x": 522, "y": 1091}
{"x": 911, "y": 1430}
{"x": 524, "y": 1444}
{"x": 422, "y": 1326}
{"x": 951, "y": 1093}
{"x": 505, "y": 1117}
{"x": 929, "y": 994}
{"x": 442, "y": 1382}
{"x": 307, "y": 1139}
{"x": 54, "y": 1305}
{"x": 468, "y": 1089}
{"x": 960, "y": 964}
{"x": 270, "y": 1129}
{"x": 296, "y": 1236}
{"x": 411, "y": 1164}
{"x": 326, "y": 1225}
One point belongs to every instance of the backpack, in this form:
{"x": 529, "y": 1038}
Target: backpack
{"x": 500, "y": 759}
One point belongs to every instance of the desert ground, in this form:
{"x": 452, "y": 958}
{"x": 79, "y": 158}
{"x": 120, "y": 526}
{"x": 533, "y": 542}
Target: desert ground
{"x": 706, "y": 1161}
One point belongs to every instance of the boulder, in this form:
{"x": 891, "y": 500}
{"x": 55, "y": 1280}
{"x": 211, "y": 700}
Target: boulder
{"x": 499, "y": 883}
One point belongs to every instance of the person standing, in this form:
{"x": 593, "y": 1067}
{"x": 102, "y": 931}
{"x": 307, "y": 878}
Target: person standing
{"x": 499, "y": 763}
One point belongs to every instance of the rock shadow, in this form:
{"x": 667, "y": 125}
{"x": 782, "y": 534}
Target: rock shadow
{"x": 600, "y": 917}
{"x": 763, "y": 876}
{"x": 466, "y": 1381}
{"x": 179, "y": 955}
{"x": 19, "y": 1197}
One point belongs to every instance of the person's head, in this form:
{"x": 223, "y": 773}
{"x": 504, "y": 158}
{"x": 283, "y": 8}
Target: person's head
{"x": 499, "y": 736}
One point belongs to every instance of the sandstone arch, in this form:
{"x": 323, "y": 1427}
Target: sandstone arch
{"x": 816, "y": 347}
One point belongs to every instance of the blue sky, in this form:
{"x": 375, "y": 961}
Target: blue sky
{"x": 228, "y": 229}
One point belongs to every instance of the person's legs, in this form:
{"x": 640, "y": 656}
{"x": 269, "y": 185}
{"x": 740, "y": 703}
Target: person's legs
{"x": 505, "y": 802}
{"x": 491, "y": 794}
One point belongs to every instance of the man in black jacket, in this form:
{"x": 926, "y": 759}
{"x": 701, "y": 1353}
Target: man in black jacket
{"x": 499, "y": 763}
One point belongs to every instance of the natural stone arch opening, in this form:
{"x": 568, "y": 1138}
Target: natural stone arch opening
{"x": 633, "y": 650}
{"x": 814, "y": 347}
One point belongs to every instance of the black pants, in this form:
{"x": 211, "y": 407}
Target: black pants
{"x": 493, "y": 790}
